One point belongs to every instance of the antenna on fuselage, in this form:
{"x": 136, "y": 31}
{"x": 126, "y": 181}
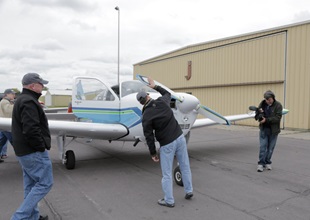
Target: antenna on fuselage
{"x": 118, "y": 44}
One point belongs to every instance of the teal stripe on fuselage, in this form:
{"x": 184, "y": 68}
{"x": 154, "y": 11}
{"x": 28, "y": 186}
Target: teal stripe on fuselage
{"x": 128, "y": 116}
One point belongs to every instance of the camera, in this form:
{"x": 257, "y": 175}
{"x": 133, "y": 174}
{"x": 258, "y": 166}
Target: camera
{"x": 258, "y": 114}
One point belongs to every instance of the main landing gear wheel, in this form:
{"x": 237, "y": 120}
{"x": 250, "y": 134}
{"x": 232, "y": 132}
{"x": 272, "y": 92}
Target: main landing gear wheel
{"x": 178, "y": 176}
{"x": 70, "y": 160}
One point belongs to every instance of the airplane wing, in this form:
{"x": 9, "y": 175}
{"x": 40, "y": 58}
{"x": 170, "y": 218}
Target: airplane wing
{"x": 79, "y": 129}
{"x": 207, "y": 122}
{"x": 214, "y": 116}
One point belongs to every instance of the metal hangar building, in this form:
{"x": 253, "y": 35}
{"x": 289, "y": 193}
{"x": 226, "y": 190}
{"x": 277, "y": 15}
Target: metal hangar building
{"x": 228, "y": 75}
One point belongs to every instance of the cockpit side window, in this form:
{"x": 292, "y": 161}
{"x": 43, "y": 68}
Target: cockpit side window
{"x": 92, "y": 89}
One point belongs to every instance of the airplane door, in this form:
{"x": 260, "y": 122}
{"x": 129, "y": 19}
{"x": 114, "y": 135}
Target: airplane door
{"x": 94, "y": 101}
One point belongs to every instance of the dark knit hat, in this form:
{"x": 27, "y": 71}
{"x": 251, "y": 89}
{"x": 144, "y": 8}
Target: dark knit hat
{"x": 269, "y": 94}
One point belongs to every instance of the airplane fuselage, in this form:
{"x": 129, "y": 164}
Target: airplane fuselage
{"x": 94, "y": 101}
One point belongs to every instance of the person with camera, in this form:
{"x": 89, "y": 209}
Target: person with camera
{"x": 268, "y": 115}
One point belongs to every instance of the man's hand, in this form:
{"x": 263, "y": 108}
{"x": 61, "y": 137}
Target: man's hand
{"x": 151, "y": 82}
{"x": 155, "y": 158}
{"x": 263, "y": 121}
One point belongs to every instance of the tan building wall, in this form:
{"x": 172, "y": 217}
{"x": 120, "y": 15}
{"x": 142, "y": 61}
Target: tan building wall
{"x": 61, "y": 100}
{"x": 58, "y": 98}
{"x": 230, "y": 74}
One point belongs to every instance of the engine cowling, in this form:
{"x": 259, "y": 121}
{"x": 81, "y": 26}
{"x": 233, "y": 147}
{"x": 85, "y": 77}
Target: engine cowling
{"x": 188, "y": 104}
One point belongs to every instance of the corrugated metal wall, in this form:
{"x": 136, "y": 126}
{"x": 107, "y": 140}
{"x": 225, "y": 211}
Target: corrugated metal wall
{"x": 298, "y": 77}
{"x": 231, "y": 74}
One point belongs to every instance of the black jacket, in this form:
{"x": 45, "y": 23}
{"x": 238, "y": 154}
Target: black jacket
{"x": 158, "y": 120}
{"x": 29, "y": 125}
{"x": 273, "y": 120}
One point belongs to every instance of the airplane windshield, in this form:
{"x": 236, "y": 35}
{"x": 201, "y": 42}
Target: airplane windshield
{"x": 134, "y": 86}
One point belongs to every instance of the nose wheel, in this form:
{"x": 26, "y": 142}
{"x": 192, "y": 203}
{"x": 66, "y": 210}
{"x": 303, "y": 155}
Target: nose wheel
{"x": 178, "y": 176}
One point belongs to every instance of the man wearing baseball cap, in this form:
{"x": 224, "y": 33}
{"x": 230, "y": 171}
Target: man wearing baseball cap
{"x": 158, "y": 122}
{"x": 6, "y": 108}
{"x": 32, "y": 141}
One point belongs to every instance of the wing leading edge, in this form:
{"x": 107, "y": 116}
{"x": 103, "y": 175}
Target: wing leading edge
{"x": 79, "y": 129}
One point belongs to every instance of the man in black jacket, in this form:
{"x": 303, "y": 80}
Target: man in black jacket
{"x": 31, "y": 138}
{"x": 158, "y": 121}
{"x": 269, "y": 128}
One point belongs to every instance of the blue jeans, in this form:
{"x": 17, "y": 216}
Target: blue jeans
{"x": 267, "y": 144}
{"x": 167, "y": 152}
{"x": 38, "y": 180}
{"x": 4, "y": 150}
{"x": 5, "y": 136}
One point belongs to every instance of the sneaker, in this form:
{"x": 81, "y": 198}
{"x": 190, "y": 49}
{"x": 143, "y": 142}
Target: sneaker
{"x": 4, "y": 156}
{"x": 189, "y": 195}
{"x": 260, "y": 168}
{"x": 268, "y": 167}
{"x": 164, "y": 203}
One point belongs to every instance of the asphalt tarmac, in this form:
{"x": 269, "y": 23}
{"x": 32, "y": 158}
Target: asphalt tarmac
{"x": 120, "y": 182}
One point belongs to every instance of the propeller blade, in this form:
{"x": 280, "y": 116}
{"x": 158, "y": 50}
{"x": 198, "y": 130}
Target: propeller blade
{"x": 214, "y": 116}
{"x": 144, "y": 80}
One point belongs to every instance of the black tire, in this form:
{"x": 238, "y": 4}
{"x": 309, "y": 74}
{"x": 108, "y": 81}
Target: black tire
{"x": 178, "y": 176}
{"x": 70, "y": 160}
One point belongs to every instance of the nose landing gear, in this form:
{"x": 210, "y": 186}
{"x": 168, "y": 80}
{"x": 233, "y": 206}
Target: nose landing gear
{"x": 178, "y": 176}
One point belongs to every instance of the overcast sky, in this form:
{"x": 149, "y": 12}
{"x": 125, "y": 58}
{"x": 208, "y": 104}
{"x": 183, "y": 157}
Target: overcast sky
{"x": 60, "y": 39}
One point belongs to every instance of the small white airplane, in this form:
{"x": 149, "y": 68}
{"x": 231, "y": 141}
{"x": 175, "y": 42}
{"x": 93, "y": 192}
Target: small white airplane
{"x": 114, "y": 114}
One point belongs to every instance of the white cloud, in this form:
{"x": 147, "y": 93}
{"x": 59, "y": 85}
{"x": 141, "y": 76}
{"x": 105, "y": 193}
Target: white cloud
{"x": 61, "y": 39}
{"x": 76, "y": 5}
{"x": 301, "y": 16}
{"x": 48, "y": 44}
